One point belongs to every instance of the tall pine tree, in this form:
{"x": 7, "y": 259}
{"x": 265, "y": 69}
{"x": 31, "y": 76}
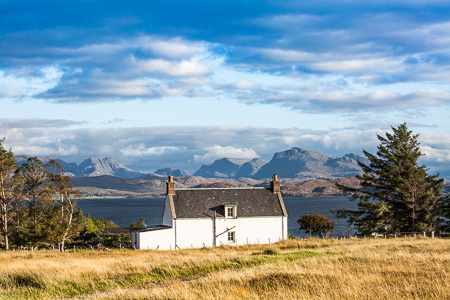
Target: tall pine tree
{"x": 396, "y": 193}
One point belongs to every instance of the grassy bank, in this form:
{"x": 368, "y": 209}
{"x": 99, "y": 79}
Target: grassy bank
{"x": 409, "y": 268}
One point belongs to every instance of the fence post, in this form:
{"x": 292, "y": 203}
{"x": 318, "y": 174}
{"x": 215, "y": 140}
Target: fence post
{"x": 424, "y": 234}
{"x": 432, "y": 234}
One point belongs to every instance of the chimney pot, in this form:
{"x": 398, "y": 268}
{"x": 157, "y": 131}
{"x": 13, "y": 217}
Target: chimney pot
{"x": 170, "y": 186}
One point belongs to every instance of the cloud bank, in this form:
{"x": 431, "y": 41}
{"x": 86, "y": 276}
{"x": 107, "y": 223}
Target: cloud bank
{"x": 150, "y": 148}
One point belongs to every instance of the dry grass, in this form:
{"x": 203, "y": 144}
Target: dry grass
{"x": 409, "y": 268}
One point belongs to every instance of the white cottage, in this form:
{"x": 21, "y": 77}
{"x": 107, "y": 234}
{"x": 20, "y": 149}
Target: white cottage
{"x": 197, "y": 217}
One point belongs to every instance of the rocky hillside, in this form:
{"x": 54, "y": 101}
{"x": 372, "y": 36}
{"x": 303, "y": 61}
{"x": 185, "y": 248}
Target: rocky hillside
{"x": 295, "y": 163}
{"x": 316, "y": 187}
{"x": 231, "y": 168}
{"x": 301, "y": 163}
{"x": 250, "y": 168}
{"x": 171, "y": 172}
{"x": 107, "y": 166}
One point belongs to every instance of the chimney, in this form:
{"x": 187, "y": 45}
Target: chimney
{"x": 275, "y": 184}
{"x": 170, "y": 186}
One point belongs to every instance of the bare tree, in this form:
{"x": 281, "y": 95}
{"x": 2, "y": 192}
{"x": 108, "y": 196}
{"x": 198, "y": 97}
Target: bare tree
{"x": 8, "y": 165}
{"x": 66, "y": 207}
{"x": 37, "y": 193}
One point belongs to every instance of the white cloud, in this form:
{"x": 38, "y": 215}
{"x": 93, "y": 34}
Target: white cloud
{"x": 291, "y": 56}
{"x": 29, "y": 85}
{"x": 140, "y": 150}
{"x": 217, "y": 152}
{"x": 186, "y": 67}
{"x": 374, "y": 65}
{"x": 172, "y": 48}
{"x": 245, "y": 85}
{"x": 435, "y": 155}
{"x": 16, "y": 123}
{"x": 114, "y": 86}
{"x": 436, "y": 140}
{"x": 41, "y": 151}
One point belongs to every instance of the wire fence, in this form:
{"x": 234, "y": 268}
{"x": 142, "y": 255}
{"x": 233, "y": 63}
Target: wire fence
{"x": 377, "y": 235}
{"x": 430, "y": 234}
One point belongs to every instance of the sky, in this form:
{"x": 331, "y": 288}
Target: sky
{"x": 156, "y": 84}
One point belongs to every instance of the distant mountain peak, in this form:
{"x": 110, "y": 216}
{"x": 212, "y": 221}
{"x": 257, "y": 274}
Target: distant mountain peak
{"x": 302, "y": 163}
{"x": 171, "y": 172}
{"x": 222, "y": 168}
{"x": 106, "y": 166}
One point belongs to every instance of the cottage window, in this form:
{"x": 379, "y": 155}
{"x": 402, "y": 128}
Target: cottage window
{"x": 231, "y": 236}
{"x": 230, "y": 211}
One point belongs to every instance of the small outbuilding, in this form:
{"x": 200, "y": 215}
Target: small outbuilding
{"x": 208, "y": 217}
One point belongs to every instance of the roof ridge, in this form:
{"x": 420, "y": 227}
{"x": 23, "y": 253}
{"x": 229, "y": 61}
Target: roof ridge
{"x": 228, "y": 188}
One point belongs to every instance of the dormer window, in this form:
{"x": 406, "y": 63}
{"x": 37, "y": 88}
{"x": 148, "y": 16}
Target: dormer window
{"x": 230, "y": 211}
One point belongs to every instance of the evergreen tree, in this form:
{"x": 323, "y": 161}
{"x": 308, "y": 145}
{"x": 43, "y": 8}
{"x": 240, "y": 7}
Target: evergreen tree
{"x": 396, "y": 193}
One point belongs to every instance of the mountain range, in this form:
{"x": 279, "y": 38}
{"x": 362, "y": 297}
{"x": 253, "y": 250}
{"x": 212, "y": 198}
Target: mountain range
{"x": 91, "y": 167}
{"x": 303, "y": 173}
{"x": 295, "y": 163}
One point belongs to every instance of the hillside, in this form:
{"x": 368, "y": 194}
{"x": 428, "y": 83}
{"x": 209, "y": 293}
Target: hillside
{"x": 316, "y": 187}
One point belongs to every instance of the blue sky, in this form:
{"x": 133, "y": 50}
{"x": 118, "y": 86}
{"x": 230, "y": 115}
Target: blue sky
{"x": 158, "y": 84}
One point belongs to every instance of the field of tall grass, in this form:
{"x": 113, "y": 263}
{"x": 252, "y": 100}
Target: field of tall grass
{"x": 406, "y": 268}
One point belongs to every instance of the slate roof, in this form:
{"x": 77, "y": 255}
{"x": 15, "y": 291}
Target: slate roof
{"x": 250, "y": 202}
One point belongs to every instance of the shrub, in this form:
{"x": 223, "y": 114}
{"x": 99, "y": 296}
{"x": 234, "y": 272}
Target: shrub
{"x": 317, "y": 225}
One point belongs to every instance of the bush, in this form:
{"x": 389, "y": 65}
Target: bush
{"x": 271, "y": 251}
{"x": 317, "y": 225}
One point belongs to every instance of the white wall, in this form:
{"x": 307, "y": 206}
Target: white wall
{"x": 194, "y": 233}
{"x": 257, "y": 230}
{"x": 161, "y": 239}
{"x": 197, "y": 233}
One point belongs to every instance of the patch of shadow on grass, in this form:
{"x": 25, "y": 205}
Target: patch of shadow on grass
{"x": 282, "y": 281}
{"x": 272, "y": 282}
{"x": 28, "y": 280}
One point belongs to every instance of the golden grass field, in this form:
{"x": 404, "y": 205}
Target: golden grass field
{"x": 406, "y": 268}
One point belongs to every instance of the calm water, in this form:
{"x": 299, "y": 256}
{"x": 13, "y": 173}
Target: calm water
{"x": 128, "y": 210}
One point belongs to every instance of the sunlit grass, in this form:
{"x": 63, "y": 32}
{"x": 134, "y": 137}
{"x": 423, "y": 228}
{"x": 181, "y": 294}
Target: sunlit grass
{"x": 405, "y": 268}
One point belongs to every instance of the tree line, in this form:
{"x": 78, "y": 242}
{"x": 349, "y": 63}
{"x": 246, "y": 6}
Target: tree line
{"x": 38, "y": 206}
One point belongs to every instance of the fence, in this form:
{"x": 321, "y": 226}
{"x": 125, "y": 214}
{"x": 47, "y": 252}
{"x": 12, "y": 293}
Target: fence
{"x": 430, "y": 234}
{"x": 375, "y": 235}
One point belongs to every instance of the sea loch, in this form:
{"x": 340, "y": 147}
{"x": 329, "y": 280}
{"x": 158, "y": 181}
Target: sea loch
{"x": 125, "y": 211}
